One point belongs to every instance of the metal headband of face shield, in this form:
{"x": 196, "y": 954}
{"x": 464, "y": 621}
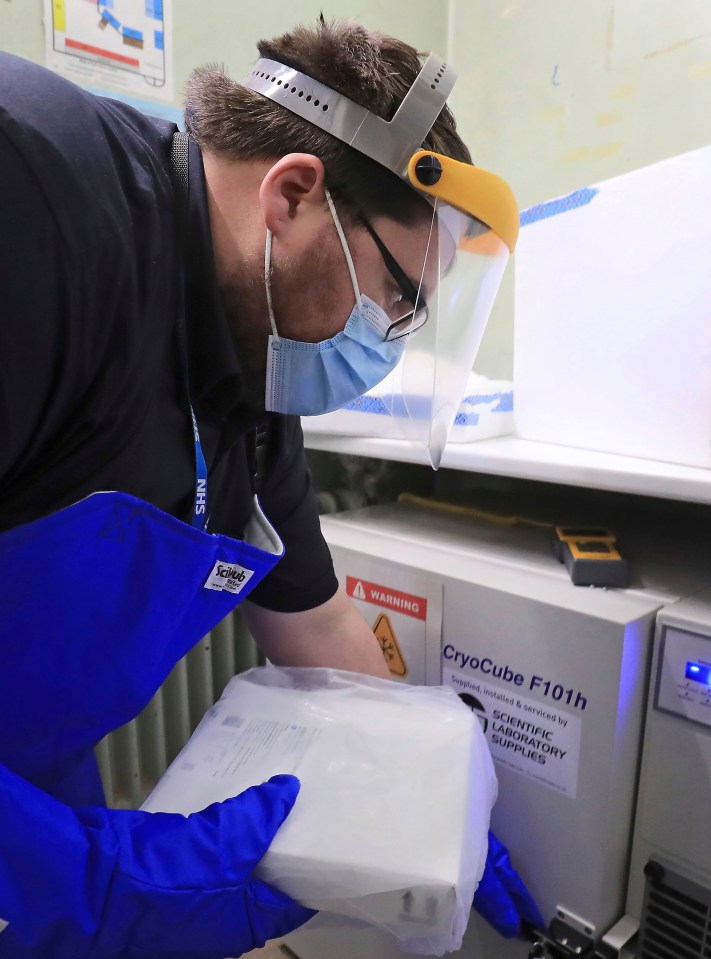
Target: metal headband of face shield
{"x": 389, "y": 142}
{"x": 397, "y": 144}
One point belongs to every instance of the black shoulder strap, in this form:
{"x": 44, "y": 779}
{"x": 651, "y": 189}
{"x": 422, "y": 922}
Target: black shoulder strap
{"x": 179, "y": 158}
{"x": 179, "y": 174}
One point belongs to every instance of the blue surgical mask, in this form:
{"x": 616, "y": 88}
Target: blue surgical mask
{"x": 311, "y": 378}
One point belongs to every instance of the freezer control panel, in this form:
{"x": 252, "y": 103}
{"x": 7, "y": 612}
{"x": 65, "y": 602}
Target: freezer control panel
{"x": 684, "y": 679}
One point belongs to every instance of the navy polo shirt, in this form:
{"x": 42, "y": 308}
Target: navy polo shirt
{"x": 93, "y": 394}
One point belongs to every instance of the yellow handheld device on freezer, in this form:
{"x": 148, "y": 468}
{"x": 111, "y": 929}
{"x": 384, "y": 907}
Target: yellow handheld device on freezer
{"x": 591, "y": 556}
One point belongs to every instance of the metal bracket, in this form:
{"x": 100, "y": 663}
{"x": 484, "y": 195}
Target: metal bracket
{"x": 578, "y": 923}
{"x": 617, "y": 943}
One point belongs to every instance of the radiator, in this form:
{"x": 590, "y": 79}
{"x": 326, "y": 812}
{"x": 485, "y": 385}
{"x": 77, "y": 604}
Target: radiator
{"x": 133, "y": 758}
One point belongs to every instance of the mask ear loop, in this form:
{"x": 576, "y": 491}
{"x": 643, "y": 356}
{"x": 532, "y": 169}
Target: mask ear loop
{"x": 268, "y": 262}
{"x": 346, "y": 250}
{"x": 268, "y": 282}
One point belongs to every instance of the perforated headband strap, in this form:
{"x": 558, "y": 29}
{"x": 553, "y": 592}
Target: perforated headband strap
{"x": 390, "y": 143}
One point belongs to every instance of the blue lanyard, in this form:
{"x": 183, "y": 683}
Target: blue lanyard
{"x": 200, "y": 504}
{"x": 180, "y": 156}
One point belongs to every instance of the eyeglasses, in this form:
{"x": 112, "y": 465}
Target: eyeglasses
{"x": 415, "y": 318}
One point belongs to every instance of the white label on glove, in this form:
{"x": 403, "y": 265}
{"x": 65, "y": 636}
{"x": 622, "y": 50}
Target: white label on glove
{"x": 229, "y": 577}
{"x": 3, "y": 925}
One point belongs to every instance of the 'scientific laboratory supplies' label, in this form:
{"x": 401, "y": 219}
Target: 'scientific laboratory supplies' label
{"x": 229, "y": 577}
{"x": 532, "y": 738}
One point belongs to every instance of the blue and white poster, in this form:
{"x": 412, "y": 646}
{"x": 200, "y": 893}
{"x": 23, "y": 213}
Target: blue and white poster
{"x": 121, "y": 45}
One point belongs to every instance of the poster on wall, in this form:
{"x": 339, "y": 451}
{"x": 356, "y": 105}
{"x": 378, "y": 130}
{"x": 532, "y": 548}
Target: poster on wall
{"x": 119, "y": 45}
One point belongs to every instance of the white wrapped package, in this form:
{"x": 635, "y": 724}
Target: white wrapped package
{"x": 397, "y": 785}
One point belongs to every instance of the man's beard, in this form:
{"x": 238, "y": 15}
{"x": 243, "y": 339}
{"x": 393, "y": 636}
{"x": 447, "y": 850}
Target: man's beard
{"x": 244, "y": 300}
{"x": 292, "y": 283}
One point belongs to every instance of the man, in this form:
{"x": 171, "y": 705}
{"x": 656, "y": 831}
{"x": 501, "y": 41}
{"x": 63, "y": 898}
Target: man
{"x": 167, "y": 304}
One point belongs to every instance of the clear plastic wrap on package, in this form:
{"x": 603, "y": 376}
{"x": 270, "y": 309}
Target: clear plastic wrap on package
{"x": 397, "y": 784}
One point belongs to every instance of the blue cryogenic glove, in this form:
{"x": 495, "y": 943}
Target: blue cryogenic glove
{"x": 96, "y": 883}
{"x": 501, "y": 898}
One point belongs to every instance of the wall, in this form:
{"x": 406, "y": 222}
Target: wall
{"x": 555, "y": 95}
{"x": 226, "y": 31}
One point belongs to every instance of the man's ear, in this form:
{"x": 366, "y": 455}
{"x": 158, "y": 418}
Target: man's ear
{"x": 296, "y": 183}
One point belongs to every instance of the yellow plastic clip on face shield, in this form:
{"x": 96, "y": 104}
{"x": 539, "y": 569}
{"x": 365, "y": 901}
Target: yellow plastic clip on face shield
{"x": 468, "y": 188}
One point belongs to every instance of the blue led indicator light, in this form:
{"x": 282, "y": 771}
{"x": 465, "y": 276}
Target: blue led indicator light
{"x": 699, "y": 672}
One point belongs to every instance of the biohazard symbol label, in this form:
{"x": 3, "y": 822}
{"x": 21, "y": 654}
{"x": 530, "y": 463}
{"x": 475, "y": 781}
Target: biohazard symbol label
{"x": 385, "y": 634}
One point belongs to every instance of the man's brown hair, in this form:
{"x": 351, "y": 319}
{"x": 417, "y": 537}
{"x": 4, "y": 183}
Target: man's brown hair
{"x": 373, "y": 70}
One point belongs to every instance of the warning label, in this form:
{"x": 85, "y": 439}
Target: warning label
{"x": 415, "y": 606}
{"x": 539, "y": 741}
{"x": 406, "y": 615}
{"x": 385, "y": 634}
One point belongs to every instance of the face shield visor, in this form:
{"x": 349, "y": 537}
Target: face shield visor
{"x": 451, "y": 273}
{"x": 463, "y": 260}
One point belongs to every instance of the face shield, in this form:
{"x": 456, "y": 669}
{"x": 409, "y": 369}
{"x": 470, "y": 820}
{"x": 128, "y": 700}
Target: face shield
{"x": 458, "y": 252}
{"x": 463, "y": 263}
